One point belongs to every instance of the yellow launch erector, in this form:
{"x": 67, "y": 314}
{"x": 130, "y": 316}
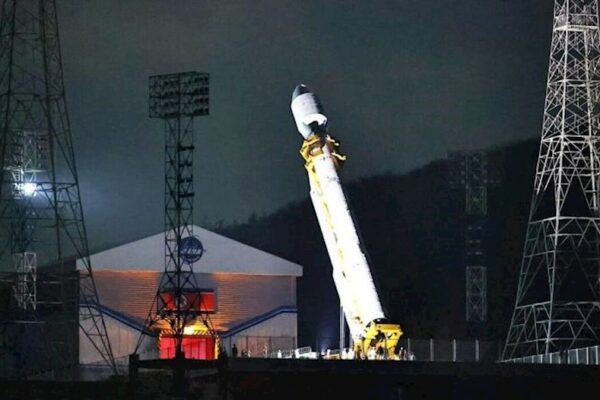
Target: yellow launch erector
{"x": 358, "y": 296}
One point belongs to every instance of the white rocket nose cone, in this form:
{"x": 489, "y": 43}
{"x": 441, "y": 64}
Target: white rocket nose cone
{"x": 308, "y": 112}
{"x": 300, "y": 89}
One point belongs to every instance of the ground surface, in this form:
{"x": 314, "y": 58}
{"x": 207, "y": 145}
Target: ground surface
{"x": 315, "y": 379}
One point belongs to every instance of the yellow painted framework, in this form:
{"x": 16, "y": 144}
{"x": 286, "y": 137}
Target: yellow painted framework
{"x": 375, "y": 335}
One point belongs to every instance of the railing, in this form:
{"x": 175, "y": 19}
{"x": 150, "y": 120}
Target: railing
{"x": 435, "y": 350}
{"x": 450, "y": 350}
{"x": 260, "y": 346}
{"x": 583, "y": 356}
{"x": 443, "y": 350}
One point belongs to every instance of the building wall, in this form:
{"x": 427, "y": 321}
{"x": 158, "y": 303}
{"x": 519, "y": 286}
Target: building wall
{"x": 128, "y": 292}
{"x": 277, "y": 333}
{"x": 123, "y": 340}
{"x": 224, "y": 255}
{"x": 239, "y": 298}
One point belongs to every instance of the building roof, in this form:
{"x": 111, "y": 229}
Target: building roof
{"x": 221, "y": 254}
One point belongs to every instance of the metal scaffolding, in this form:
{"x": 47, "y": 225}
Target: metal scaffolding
{"x": 470, "y": 172}
{"x": 40, "y": 205}
{"x": 557, "y": 304}
{"x": 476, "y": 293}
{"x": 177, "y": 99}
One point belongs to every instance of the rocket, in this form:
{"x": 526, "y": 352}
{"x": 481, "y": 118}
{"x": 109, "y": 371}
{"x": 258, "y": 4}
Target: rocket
{"x": 351, "y": 272}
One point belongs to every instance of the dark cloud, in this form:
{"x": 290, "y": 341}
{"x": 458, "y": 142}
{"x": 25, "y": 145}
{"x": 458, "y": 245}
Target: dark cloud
{"x": 403, "y": 82}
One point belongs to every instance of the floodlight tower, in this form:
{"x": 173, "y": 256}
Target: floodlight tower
{"x": 177, "y": 99}
{"x": 40, "y": 203}
{"x": 470, "y": 171}
{"x": 557, "y": 304}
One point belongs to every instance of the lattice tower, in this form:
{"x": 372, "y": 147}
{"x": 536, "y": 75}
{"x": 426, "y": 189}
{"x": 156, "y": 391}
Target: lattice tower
{"x": 557, "y": 304}
{"x": 40, "y": 205}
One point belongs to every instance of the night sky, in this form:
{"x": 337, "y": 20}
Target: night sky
{"x": 403, "y": 83}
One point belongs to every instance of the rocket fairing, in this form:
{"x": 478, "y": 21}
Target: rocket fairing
{"x": 351, "y": 272}
{"x": 308, "y": 112}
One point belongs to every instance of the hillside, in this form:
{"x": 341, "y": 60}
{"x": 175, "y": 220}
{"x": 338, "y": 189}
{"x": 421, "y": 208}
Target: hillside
{"x": 413, "y": 228}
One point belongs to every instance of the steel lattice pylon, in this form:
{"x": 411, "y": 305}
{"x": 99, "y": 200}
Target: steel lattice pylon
{"x": 40, "y": 204}
{"x": 177, "y": 99}
{"x": 557, "y": 305}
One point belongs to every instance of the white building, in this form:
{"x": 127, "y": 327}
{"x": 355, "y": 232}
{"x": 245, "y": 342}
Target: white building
{"x": 254, "y": 294}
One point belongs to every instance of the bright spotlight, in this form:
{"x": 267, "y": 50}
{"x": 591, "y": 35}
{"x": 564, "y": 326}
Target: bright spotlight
{"x": 28, "y": 189}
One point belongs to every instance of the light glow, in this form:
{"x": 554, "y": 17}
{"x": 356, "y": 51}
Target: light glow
{"x": 190, "y": 330}
{"x": 28, "y": 189}
{"x": 195, "y": 328}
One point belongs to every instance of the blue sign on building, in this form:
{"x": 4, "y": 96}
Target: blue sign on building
{"x": 190, "y": 249}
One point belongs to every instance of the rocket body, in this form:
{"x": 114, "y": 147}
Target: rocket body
{"x": 351, "y": 272}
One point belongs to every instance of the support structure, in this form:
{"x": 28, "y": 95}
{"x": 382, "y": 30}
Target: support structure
{"x": 40, "y": 205}
{"x": 557, "y": 304}
{"x": 470, "y": 172}
{"x": 476, "y": 293}
{"x": 178, "y": 310}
